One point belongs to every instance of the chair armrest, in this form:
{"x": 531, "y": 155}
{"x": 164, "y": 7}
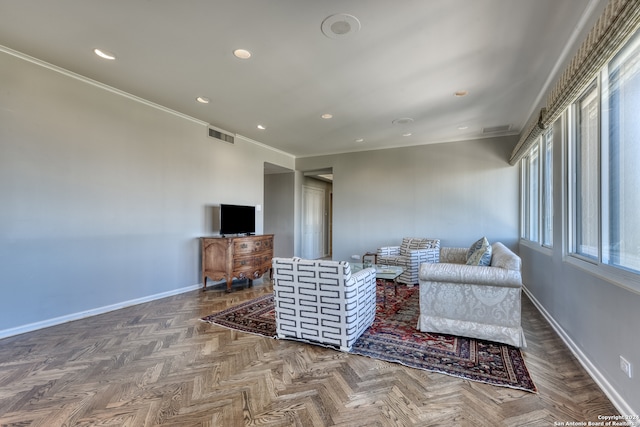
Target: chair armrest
{"x": 470, "y": 274}
{"x": 366, "y": 275}
{"x": 389, "y": 251}
{"x": 371, "y": 271}
{"x": 430, "y": 255}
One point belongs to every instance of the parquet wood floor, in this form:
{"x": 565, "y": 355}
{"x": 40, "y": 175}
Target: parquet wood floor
{"x": 157, "y": 364}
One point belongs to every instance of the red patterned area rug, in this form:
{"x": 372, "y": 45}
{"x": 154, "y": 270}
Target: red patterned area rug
{"x": 393, "y": 337}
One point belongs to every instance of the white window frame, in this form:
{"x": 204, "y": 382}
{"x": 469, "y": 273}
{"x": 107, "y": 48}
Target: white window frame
{"x": 546, "y": 188}
{"x": 527, "y": 215}
{"x": 574, "y": 171}
{"x": 524, "y": 204}
{"x": 614, "y": 274}
{"x": 526, "y": 218}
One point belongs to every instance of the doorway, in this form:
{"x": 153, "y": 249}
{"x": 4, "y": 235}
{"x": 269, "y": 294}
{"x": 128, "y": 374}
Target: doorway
{"x": 316, "y": 214}
{"x": 312, "y": 222}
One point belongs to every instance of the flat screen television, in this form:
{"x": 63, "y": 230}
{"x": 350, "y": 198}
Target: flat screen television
{"x": 237, "y": 219}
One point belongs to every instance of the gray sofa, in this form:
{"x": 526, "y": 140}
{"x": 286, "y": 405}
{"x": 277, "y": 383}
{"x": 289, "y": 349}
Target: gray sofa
{"x": 481, "y": 302}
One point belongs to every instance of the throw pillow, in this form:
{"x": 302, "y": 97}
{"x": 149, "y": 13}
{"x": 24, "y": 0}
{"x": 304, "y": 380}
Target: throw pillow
{"x": 479, "y": 253}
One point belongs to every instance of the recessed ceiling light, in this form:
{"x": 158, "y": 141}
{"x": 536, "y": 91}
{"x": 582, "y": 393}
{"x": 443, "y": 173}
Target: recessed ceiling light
{"x": 242, "y": 53}
{"x": 261, "y": 127}
{"x": 406, "y": 134}
{"x": 360, "y": 140}
{"x": 202, "y": 100}
{"x": 326, "y": 116}
{"x": 104, "y": 54}
{"x": 460, "y": 93}
{"x": 463, "y": 127}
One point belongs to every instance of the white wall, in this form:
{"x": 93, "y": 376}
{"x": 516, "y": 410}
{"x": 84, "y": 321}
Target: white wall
{"x": 279, "y": 211}
{"x": 457, "y": 192}
{"x": 103, "y": 197}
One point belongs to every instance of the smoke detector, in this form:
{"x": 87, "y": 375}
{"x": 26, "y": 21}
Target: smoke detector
{"x": 340, "y": 25}
{"x": 402, "y": 121}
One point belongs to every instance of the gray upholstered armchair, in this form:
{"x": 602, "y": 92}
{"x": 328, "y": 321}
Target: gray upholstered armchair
{"x": 481, "y": 302}
{"x": 409, "y": 255}
{"x": 322, "y": 302}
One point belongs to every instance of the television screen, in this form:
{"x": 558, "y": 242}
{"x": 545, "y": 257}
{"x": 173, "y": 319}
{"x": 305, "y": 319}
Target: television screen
{"x": 237, "y": 219}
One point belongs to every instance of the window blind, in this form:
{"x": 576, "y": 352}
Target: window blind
{"x": 618, "y": 22}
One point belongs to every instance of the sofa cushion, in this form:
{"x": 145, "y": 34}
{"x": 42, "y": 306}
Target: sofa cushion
{"x": 479, "y": 253}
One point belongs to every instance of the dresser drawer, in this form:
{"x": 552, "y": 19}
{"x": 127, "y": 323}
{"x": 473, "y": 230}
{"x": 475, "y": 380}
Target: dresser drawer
{"x": 264, "y": 259}
{"x": 244, "y": 263}
{"x": 251, "y": 245}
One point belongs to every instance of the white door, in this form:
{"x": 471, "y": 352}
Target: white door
{"x": 312, "y": 222}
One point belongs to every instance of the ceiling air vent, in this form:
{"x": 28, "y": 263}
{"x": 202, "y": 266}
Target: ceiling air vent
{"x": 497, "y": 129}
{"x": 214, "y": 133}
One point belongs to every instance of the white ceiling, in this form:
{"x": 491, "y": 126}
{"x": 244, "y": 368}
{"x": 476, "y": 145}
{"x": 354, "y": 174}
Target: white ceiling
{"x": 407, "y": 60}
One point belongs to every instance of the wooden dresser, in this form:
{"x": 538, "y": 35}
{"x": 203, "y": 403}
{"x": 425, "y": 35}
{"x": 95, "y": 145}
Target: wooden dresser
{"x": 246, "y": 257}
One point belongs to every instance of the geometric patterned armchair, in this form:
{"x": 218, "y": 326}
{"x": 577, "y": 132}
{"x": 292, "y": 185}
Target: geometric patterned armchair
{"x": 409, "y": 255}
{"x": 322, "y": 302}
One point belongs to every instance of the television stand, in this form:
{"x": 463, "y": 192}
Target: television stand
{"x": 241, "y": 257}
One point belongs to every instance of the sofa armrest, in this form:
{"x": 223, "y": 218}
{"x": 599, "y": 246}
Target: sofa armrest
{"x": 454, "y": 255}
{"x": 470, "y": 274}
{"x": 389, "y": 251}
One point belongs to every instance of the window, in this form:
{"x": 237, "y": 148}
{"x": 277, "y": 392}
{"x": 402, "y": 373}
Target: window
{"x": 533, "y": 194}
{"x": 606, "y": 165}
{"x": 529, "y": 200}
{"x": 547, "y": 189}
{"x": 524, "y": 198}
{"x": 621, "y": 170}
{"x": 531, "y": 187}
{"x": 537, "y": 192}
{"x": 587, "y": 171}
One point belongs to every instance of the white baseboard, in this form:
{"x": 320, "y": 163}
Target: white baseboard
{"x": 621, "y": 405}
{"x": 88, "y": 313}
